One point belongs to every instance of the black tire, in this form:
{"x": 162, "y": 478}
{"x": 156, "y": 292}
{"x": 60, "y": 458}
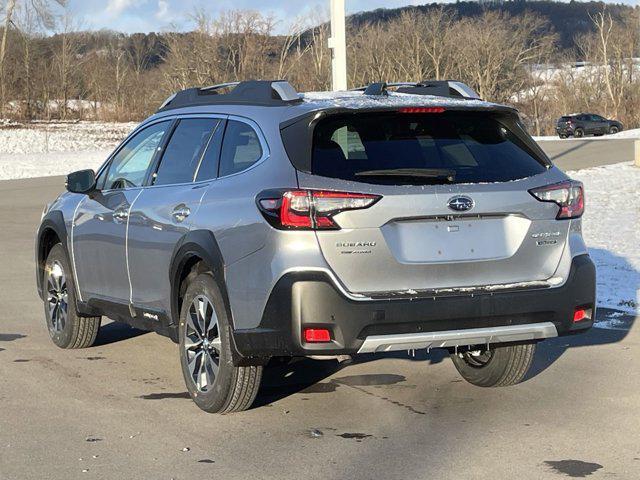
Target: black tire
{"x": 562, "y": 136}
{"x": 501, "y": 366}
{"x": 613, "y": 130}
{"x": 214, "y": 387}
{"x": 66, "y": 328}
{"x": 578, "y": 133}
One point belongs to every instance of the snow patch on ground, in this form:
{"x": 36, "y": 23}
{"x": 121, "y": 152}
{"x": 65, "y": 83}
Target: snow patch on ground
{"x": 624, "y": 135}
{"x": 43, "y": 149}
{"x": 44, "y": 137}
{"x": 29, "y": 165}
{"x": 614, "y": 320}
{"x": 611, "y": 228}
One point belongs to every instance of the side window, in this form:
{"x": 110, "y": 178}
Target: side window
{"x": 130, "y": 165}
{"x": 208, "y": 168}
{"x": 240, "y": 148}
{"x": 184, "y": 151}
{"x": 102, "y": 177}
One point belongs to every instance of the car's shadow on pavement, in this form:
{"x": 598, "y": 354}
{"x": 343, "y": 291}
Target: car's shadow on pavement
{"x": 113, "y": 332}
{"x": 282, "y": 379}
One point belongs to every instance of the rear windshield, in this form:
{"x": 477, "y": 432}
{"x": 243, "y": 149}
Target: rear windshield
{"x": 423, "y": 148}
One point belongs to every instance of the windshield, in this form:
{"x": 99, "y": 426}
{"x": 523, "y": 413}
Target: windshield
{"x": 401, "y": 148}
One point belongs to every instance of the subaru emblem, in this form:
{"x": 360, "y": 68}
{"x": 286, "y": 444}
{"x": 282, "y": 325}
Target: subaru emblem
{"x": 460, "y": 203}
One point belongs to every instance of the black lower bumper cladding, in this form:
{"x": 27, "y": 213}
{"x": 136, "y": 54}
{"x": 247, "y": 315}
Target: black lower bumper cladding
{"x": 309, "y": 299}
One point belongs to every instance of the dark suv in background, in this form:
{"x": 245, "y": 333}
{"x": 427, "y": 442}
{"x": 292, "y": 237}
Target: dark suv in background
{"x": 581, "y": 124}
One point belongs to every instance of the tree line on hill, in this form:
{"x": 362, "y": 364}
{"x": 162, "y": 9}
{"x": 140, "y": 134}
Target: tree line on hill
{"x": 512, "y": 52}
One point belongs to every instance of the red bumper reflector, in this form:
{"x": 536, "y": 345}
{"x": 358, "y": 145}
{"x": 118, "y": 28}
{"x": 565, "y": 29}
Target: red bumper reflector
{"x": 317, "y": 335}
{"x": 579, "y": 314}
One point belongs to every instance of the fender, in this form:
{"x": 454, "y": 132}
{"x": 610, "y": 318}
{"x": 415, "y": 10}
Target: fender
{"x": 202, "y": 244}
{"x": 52, "y": 221}
{"x": 196, "y": 244}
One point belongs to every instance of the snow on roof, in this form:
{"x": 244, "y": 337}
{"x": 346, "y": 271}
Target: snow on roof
{"x": 357, "y": 99}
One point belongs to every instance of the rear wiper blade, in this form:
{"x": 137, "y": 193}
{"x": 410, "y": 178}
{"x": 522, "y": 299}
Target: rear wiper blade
{"x": 450, "y": 175}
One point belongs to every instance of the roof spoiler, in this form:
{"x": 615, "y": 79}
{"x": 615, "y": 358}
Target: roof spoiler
{"x": 440, "y": 88}
{"x": 251, "y": 92}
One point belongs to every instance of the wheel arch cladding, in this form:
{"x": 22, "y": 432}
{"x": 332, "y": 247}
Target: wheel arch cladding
{"x": 52, "y": 230}
{"x": 196, "y": 247}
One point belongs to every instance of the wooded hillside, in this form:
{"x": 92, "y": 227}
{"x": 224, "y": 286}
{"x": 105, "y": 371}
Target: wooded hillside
{"x": 523, "y": 53}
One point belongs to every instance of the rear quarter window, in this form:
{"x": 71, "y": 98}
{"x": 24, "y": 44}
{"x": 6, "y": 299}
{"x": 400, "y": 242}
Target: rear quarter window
{"x": 475, "y": 147}
{"x": 241, "y": 148}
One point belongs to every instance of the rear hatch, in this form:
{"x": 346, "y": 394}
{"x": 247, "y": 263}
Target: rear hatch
{"x": 455, "y": 211}
{"x": 563, "y": 122}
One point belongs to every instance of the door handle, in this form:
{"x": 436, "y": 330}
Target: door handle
{"x": 121, "y": 214}
{"x": 181, "y": 212}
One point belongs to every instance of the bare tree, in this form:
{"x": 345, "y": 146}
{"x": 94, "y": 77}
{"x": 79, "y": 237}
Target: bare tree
{"x": 43, "y": 11}
{"x": 614, "y": 48}
{"x": 510, "y": 59}
{"x": 292, "y": 49}
{"x": 319, "y": 51}
{"x": 67, "y": 62}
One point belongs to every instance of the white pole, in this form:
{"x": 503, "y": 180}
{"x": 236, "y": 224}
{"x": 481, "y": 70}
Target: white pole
{"x": 338, "y": 46}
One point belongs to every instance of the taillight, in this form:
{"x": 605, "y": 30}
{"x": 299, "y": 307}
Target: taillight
{"x": 421, "y": 110}
{"x": 569, "y": 196}
{"x": 310, "y": 209}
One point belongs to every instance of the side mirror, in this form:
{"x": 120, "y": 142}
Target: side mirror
{"x": 82, "y": 181}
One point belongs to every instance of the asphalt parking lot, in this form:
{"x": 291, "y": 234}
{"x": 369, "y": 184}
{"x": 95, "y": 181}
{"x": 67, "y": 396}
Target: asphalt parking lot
{"x": 574, "y": 154}
{"x": 120, "y": 410}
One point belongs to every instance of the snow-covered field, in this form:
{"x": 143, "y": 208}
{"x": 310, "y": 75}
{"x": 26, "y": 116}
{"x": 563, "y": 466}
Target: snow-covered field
{"x": 611, "y": 228}
{"x": 611, "y": 224}
{"x": 625, "y": 134}
{"x": 45, "y": 149}
{"x": 43, "y": 137}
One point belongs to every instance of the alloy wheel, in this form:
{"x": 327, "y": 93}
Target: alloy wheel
{"x": 477, "y": 358}
{"x": 57, "y": 297}
{"x": 202, "y": 344}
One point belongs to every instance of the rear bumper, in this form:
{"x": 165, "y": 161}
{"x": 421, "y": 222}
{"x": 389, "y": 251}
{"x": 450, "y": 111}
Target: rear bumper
{"x": 457, "y": 338}
{"x": 564, "y": 130}
{"x": 309, "y": 299}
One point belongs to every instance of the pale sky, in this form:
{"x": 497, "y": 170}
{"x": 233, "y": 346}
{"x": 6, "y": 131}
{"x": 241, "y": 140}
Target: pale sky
{"x": 158, "y": 15}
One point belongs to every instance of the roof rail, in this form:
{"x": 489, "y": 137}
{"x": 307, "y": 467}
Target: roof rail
{"x": 440, "y": 88}
{"x": 268, "y": 93}
{"x": 377, "y": 89}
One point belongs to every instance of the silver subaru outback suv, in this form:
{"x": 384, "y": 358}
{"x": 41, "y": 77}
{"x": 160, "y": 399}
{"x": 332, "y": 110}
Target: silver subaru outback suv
{"x": 248, "y": 222}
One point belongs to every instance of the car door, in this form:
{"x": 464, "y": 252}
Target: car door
{"x": 162, "y": 213}
{"x": 586, "y": 124}
{"x": 99, "y": 226}
{"x": 601, "y": 126}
